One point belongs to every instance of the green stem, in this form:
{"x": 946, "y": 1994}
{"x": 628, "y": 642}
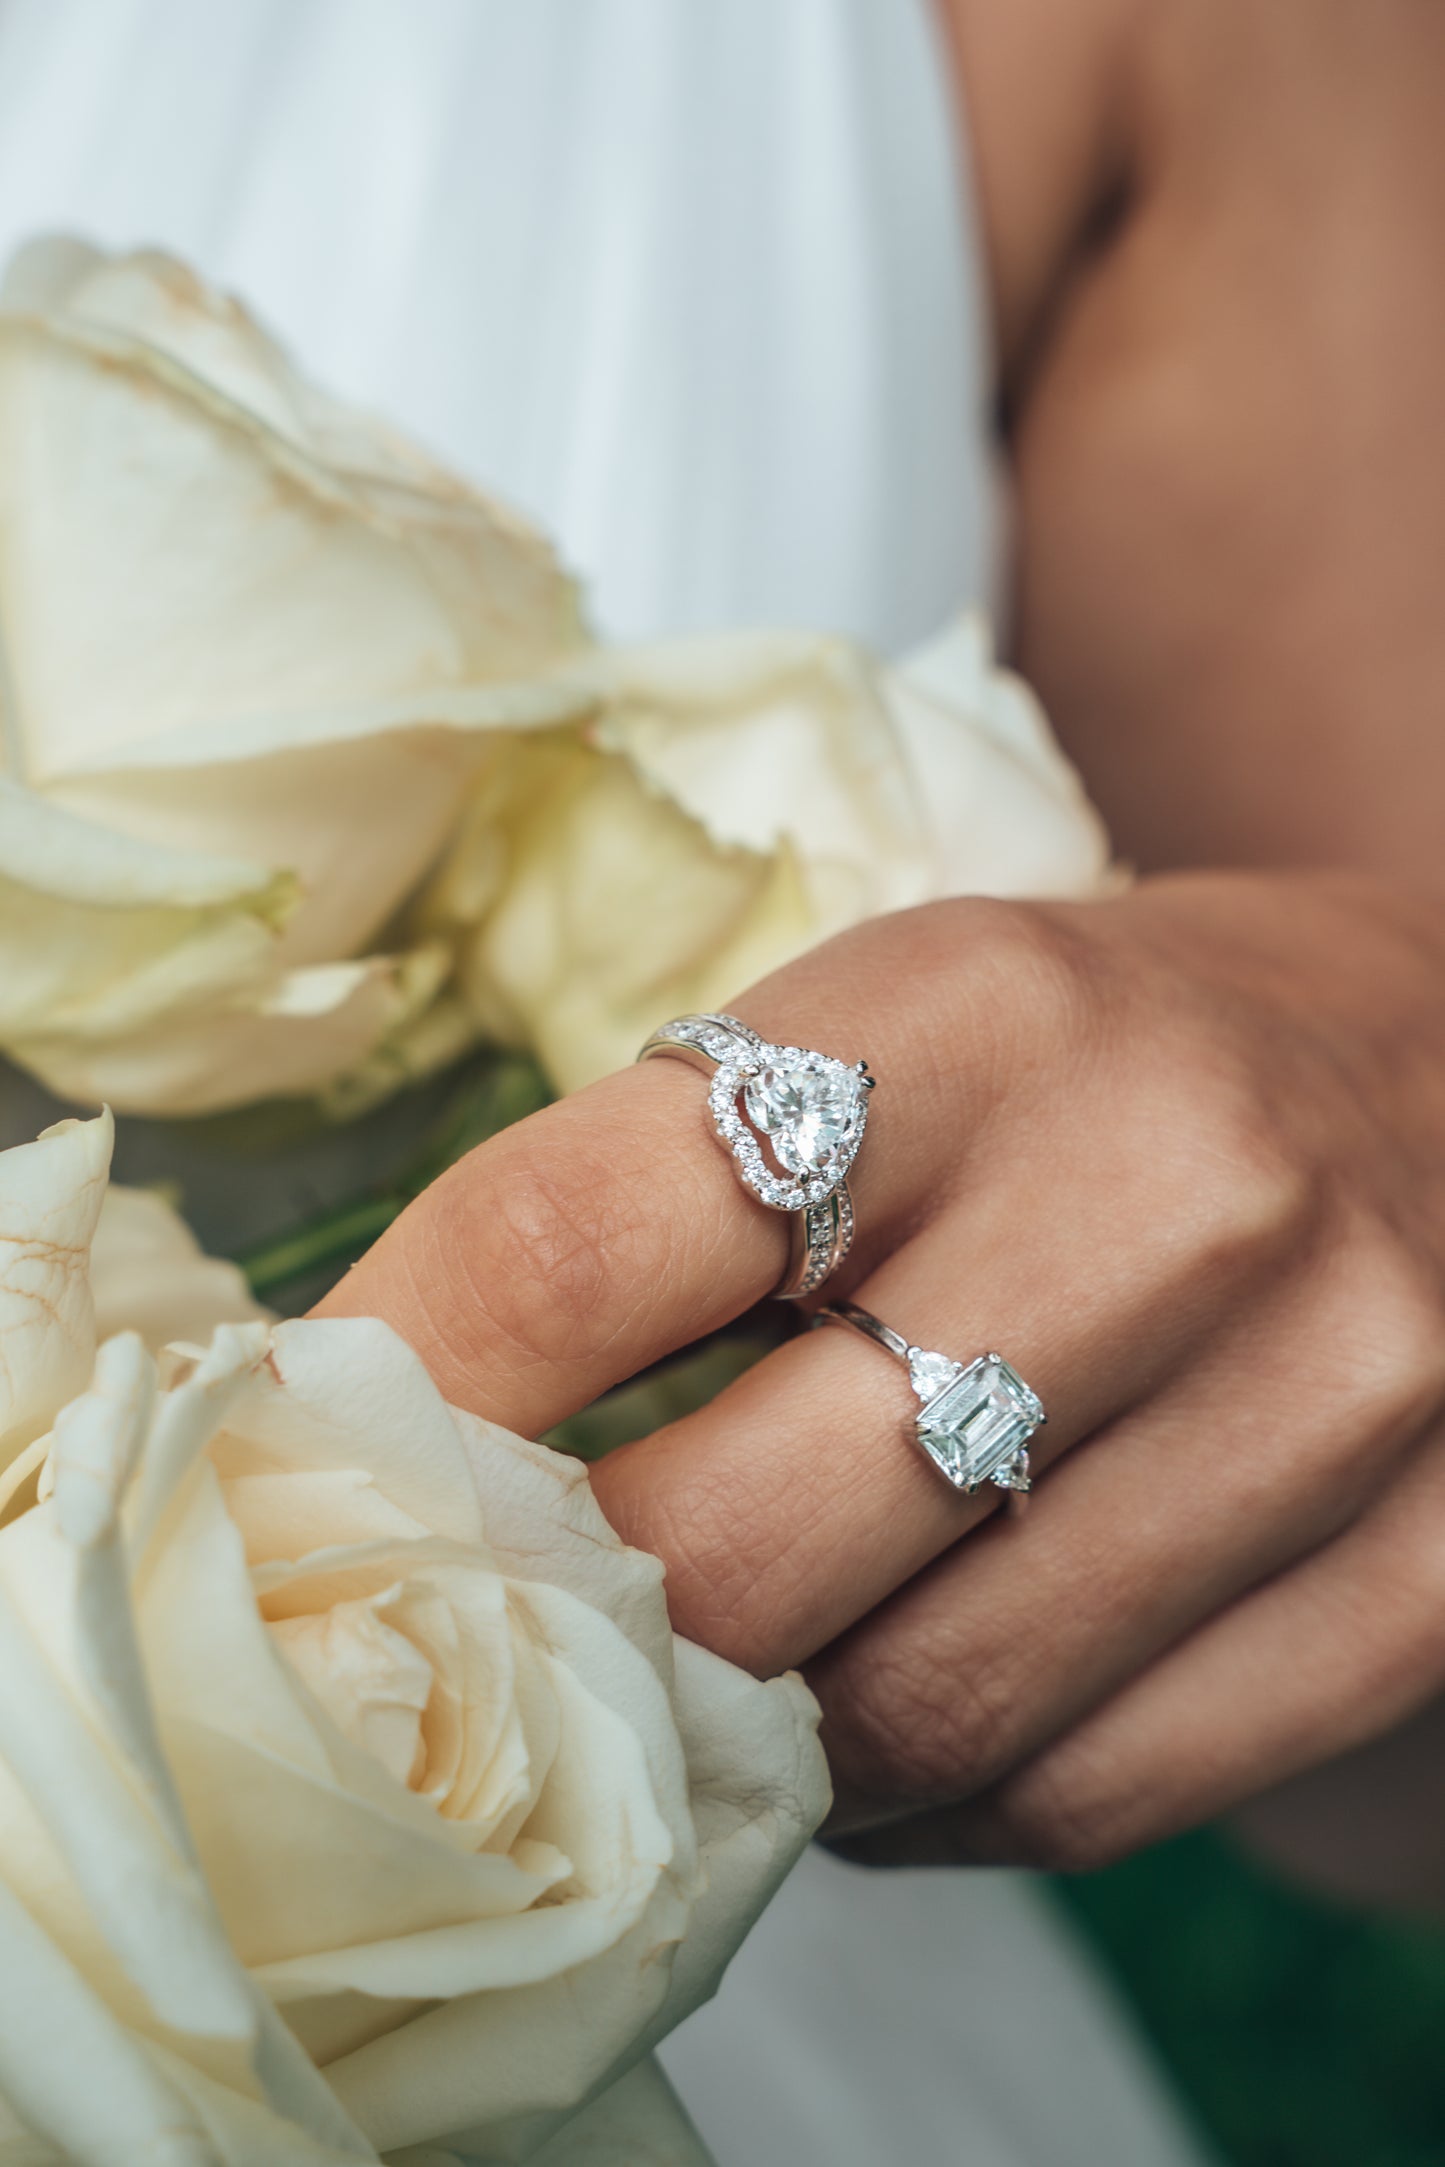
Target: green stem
{"x": 506, "y": 1091}
{"x": 330, "y": 1238}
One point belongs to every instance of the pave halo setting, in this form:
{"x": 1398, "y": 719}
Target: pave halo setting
{"x": 974, "y": 1419}
{"x": 808, "y": 1108}
{"x": 793, "y": 1121}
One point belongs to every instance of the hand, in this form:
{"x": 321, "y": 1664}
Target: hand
{"x": 1181, "y": 1157}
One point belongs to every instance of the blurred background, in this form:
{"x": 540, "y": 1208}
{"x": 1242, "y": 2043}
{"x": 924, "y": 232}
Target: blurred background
{"x": 1301, "y": 2034}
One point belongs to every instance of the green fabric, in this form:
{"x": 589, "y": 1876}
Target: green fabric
{"x": 1301, "y": 2035}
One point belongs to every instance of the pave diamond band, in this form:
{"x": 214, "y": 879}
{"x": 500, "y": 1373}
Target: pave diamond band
{"x": 975, "y": 1418}
{"x": 793, "y": 1121}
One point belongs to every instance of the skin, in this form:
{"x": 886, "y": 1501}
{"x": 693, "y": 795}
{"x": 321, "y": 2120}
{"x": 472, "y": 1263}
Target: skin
{"x": 1181, "y": 1155}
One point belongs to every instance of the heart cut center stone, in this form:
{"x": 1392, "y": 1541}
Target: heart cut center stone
{"x": 807, "y": 1114}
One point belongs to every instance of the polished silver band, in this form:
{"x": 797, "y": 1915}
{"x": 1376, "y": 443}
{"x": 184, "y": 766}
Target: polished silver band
{"x": 975, "y": 1418}
{"x": 810, "y": 1109}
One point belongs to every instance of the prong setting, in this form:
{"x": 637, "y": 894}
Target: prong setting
{"x": 829, "y": 1096}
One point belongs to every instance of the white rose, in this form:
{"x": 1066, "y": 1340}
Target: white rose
{"x": 148, "y": 1274}
{"x": 253, "y": 643}
{"x": 727, "y": 803}
{"x": 354, "y": 1794}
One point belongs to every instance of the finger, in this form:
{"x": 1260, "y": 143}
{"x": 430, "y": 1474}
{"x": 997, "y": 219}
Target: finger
{"x": 1169, "y": 1517}
{"x": 799, "y": 1499}
{"x": 1310, "y": 1666}
{"x": 580, "y": 1246}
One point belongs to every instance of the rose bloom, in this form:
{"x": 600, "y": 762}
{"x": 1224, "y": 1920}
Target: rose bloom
{"x": 355, "y": 1796}
{"x": 253, "y": 646}
{"x": 726, "y": 803}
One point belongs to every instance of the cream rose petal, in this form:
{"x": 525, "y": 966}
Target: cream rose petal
{"x": 346, "y": 1392}
{"x": 293, "y": 1034}
{"x": 1005, "y": 811}
{"x": 86, "y": 2088}
{"x": 462, "y": 1841}
{"x": 598, "y": 1811}
{"x": 391, "y": 773}
{"x": 758, "y": 1790}
{"x": 105, "y": 1801}
{"x": 51, "y": 1193}
{"x": 544, "y": 1523}
{"x": 728, "y": 803}
{"x": 149, "y": 1274}
{"x": 762, "y": 736}
{"x": 254, "y": 651}
{"x": 639, "y": 2122}
{"x": 184, "y": 530}
{"x": 616, "y": 909}
{"x": 369, "y": 1676}
{"x": 102, "y": 933}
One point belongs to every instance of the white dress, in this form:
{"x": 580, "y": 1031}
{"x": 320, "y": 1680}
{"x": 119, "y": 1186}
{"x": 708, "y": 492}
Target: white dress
{"x": 692, "y": 281}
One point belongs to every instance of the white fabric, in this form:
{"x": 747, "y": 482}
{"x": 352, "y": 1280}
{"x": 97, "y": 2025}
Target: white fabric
{"x": 685, "y": 278}
{"x": 690, "y": 280}
{"x": 925, "y": 2018}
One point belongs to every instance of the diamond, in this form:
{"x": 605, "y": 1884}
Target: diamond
{"x": 977, "y": 1426}
{"x": 823, "y": 1103}
{"x": 810, "y": 1113}
{"x": 931, "y": 1372}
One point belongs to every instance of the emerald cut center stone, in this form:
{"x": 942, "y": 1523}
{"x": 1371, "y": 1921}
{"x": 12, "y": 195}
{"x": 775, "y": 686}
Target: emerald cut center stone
{"x": 976, "y": 1427}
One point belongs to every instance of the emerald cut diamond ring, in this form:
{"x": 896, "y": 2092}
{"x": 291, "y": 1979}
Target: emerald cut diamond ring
{"x": 975, "y": 1418}
{"x": 793, "y": 1121}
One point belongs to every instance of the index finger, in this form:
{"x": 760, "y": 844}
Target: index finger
{"x": 585, "y": 1243}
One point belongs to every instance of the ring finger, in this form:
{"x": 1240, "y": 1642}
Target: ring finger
{"x": 797, "y": 1500}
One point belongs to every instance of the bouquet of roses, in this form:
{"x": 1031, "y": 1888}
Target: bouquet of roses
{"x": 356, "y": 1799}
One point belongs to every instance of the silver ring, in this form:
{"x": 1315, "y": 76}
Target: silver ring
{"x": 975, "y": 1418}
{"x": 811, "y": 1112}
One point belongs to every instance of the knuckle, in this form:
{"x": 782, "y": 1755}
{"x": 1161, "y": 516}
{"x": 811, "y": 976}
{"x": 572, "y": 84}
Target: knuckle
{"x": 1066, "y": 1816}
{"x": 1244, "y": 1187}
{"x": 549, "y": 1253}
{"x": 916, "y": 1731}
{"x": 1003, "y": 958}
{"x": 1269, "y": 1185}
{"x": 1041, "y": 965}
{"x": 1388, "y": 1307}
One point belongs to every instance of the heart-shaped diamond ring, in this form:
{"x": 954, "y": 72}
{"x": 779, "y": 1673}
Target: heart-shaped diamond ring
{"x": 793, "y": 1121}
